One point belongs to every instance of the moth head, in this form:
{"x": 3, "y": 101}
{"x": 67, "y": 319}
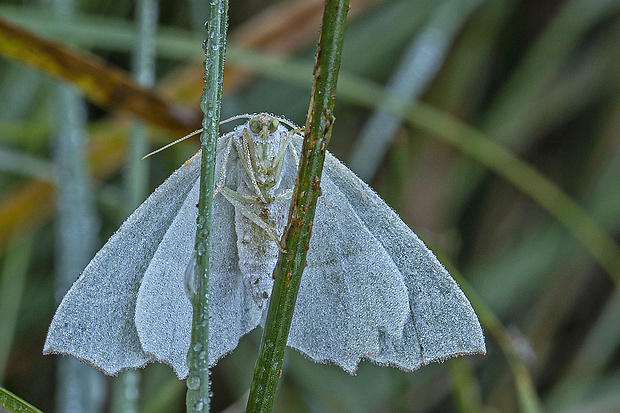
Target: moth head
{"x": 265, "y": 145}
{"x": 263, "y": 124}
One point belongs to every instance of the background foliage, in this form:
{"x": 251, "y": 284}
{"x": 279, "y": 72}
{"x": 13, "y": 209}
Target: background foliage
{"x": 539, "y": 78}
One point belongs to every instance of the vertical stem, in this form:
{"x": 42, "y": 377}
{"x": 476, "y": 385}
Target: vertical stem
{"x": 419, "y": 66}
{"x": 296, "y": 237}
{"x": 198, "y": 357}
{"x": 126, "y": 389}
{"x": 80, "y": 387}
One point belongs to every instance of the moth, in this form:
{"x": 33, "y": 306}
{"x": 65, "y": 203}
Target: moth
{"x": 371, "y": 290}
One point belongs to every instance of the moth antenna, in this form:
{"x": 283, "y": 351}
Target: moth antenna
{"x": 288, "y": 123}
{"x": 246, "y": 116}
{"x": 196, "y": 132}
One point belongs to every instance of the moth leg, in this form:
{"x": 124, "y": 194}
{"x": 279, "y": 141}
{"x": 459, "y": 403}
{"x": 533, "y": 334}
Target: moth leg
{"x": 227, "y": 149}
{"x": 246, "y": 159}
{"x": 229, "y": 193}
{"x": 295, "y": 155}
{"x": 292, "y": 133}
{"x": 237, "y": 200}
{"x": 285, "y": 195}
{"x": 288, "y": 141}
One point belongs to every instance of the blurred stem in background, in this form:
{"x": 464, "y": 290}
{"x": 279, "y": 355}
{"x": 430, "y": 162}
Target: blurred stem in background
{"x": 417, "y": 68}
{"x": 12, "y": 283}
{"x": 516, "y": 107}
{"x": 127, "y": 390}
{"x": 80, "y": 388}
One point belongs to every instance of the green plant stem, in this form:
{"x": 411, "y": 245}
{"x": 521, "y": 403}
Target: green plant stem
{"x": 289, "y": 268}
{"x": 14, "y": 403}
{"x": 466, "y": 393}
{"x": 198, "y": 382}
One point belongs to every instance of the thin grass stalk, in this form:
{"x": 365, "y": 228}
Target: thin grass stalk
{"x": 465, "y": 391}
{"x": 296, "y": 238}
{"x": 198, "y": 382}
{"x": 512, "y": 110}
{"x": 97, "y": 80}
{"x": 80, "y": 387}
{"x": 419, "y": 65}
{"x": 589, "y": 364}
{"x": 529, "y": 402}
{"x": 14, "y": 404}
{"x": 21, "y": 163}
{"x": 127, "y": 390}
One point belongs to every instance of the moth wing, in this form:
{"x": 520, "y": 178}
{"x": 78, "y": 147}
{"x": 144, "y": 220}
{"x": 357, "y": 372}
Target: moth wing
{"x": 352, "y": 294}
{"x": 95, "y": 320}
{"x": 441, "y": 322}
{"x": 163, "y": 311}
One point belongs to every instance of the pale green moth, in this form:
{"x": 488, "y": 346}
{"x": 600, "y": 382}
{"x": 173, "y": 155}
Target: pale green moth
{"x": 371, "y": 290}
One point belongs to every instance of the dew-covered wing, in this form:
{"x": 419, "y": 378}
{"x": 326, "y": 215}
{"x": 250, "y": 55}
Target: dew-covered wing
{"x": 163, "y": 311}
{"x": 352, "y": 294}
{"x": 441, "y": 322}
{"x": 95, "y": 320}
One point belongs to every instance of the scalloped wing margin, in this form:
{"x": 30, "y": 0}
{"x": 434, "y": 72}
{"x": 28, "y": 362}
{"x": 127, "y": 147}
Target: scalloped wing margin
{"x": 441, "y": 323}
{"x": 95, "y": 320}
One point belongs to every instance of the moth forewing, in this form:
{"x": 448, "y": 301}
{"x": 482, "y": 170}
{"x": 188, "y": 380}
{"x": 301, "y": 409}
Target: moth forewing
{"x": 95, "y": 320}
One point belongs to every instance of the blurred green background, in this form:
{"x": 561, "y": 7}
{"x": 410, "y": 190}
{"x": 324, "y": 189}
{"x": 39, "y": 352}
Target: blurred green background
{"x": 509, "y": 169}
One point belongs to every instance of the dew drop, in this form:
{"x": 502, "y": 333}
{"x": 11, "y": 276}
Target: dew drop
{"x": 193, "y": 382}
{"x": 188, "y": 281}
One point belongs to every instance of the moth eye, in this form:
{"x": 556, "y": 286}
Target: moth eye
{"x": 273, "y": 125}
{"x": 255, "y": 125}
